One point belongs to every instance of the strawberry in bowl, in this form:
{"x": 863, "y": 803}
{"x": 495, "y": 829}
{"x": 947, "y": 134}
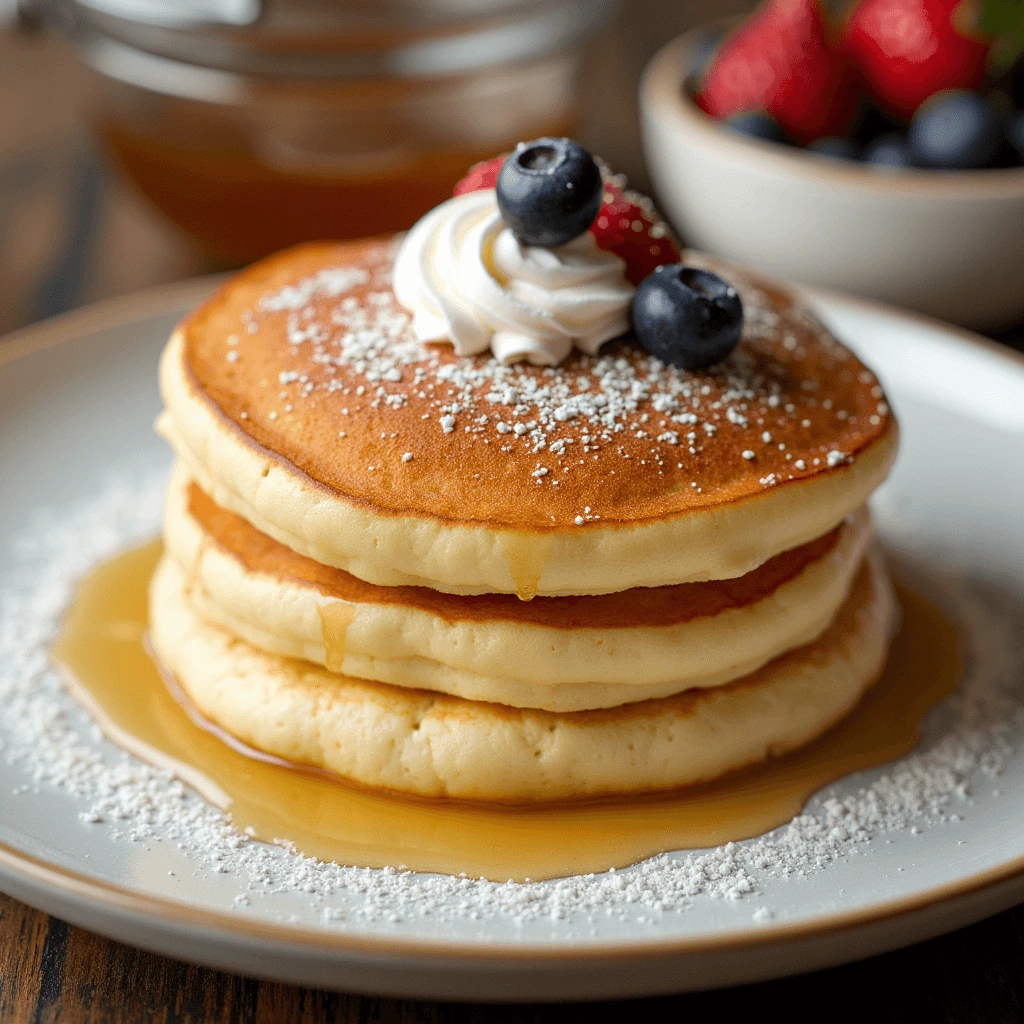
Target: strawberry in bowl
{"x": 780, "y": 61}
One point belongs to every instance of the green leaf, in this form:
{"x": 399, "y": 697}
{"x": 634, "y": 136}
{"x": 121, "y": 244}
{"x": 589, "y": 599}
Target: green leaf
{"x": 1003, "y": 21}
{"x": 1001, "y": 17}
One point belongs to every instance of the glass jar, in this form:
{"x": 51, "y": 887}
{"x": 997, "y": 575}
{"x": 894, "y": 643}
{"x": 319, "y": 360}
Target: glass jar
{"x": 257, "y": 125}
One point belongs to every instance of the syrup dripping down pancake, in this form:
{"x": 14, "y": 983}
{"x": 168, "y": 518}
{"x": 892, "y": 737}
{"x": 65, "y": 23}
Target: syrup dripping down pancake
{"x": 559, "y": 654}
{"x": 436, "y": 745}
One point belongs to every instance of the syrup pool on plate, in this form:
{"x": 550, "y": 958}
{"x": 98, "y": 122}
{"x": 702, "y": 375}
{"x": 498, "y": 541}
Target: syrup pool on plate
{"x": 102, "y": 648}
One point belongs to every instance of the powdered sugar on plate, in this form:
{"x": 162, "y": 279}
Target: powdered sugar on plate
{"x": 45, "y": 736}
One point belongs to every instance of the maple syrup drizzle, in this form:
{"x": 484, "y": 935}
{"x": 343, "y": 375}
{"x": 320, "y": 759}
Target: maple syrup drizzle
{"x": 525, "y": 555}
{"x": 102, "y": 648}
{"x": 335, "y": 618}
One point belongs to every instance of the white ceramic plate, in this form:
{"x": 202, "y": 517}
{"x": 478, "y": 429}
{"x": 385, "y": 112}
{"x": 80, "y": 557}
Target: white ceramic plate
{"x": 77, "y": 399}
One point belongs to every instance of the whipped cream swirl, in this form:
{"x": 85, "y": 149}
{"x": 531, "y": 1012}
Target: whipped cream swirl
{"x": 466, "y": 279}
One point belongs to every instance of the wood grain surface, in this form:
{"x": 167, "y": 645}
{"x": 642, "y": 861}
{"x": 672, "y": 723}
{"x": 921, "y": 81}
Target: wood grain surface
{"x": 70, "y": 233}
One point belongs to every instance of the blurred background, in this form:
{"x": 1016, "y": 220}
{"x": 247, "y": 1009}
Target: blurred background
{"x": 867, "y": 146}
{"x": 137, "y": 149}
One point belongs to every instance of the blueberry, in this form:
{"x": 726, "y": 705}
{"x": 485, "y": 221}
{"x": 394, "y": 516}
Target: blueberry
{"x": 756, "y": 124}
{"x": 549, "y": 191}
{"x": 687, "y": 317}
{"x": 1015, "y": 132}
{"x": 955, "y": 129}
{"x": 1001, "y": 100}
{"x": 890, "y": 150}
{"x": 835, "y": 148}
{"x": 701, "y": 57}
{"x": 872, "y": 123}
{"x": 1015, "y": 81}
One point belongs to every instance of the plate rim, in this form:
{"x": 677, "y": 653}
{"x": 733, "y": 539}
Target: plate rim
{"x": 152, "y": 302}
{"x": 146, "y": 907}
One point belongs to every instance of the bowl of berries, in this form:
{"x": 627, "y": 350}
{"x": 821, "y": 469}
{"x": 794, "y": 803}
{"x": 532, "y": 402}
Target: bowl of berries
{"x": 878, "y": 151}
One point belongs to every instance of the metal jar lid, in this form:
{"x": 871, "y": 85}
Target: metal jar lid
{"x": 325, "y": 39}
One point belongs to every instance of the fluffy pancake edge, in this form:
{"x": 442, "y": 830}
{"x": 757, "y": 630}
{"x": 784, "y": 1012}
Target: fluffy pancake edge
{"x": 556, "y": 669}
{"x": 432, "y": 745}
{"x": 719, "y": 542}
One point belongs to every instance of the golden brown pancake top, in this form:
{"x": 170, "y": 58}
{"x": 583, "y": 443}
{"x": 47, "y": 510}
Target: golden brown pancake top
{"x": 642, "y": 606}
{"x": 309, "y": 355}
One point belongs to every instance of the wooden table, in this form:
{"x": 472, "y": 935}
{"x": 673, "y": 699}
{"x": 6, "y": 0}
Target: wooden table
{"x": 69, "y": 234}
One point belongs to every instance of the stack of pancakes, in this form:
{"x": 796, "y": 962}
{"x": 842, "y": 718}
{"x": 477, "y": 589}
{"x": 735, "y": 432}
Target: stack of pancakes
{"x": 450, "y": 577}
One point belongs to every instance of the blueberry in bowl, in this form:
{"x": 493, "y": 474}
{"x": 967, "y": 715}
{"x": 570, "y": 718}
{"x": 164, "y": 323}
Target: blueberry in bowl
{"x": 955, "y": 130}
{"x": 834, "y": 147}
{"x": 889, "y": 150}
{"x": 756, "y": 124}
{"x": 1015, "y": 132}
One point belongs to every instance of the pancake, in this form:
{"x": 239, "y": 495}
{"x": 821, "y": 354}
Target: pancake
{"x": 559, "y": 654}
{"x": 437, "y": 745}
{"x": 298, "y": 398}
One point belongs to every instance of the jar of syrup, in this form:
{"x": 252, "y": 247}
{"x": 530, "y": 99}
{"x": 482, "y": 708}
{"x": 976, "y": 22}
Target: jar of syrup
{"x": 255, "y": 124}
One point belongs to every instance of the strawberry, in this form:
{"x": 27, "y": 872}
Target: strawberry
{"x": 907, "y": 50}
{"x": 481, "y": 175}
{"x": 627, "y": 223}
{"x": 780, "y": 61}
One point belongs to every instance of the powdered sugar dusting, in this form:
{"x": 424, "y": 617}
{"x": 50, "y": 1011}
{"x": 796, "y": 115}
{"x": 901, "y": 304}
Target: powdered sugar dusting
{"x": 328, "y": 283}
{"x": 42, "y": 733}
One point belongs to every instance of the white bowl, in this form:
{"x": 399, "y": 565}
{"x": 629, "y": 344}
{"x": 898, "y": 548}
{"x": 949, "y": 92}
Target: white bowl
{"x": 946, "y": 243}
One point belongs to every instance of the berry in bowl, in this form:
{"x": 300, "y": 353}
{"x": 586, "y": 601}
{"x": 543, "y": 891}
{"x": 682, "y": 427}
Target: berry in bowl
{"x": 878, "y": 152}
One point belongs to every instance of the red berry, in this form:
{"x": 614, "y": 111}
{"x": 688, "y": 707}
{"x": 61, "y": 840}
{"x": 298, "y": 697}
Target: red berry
{"x": 907, "y": 50}
{"x": 482, "y": 175}
{"x": 628, "y": 225}
{"x": 780, "y": 61}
